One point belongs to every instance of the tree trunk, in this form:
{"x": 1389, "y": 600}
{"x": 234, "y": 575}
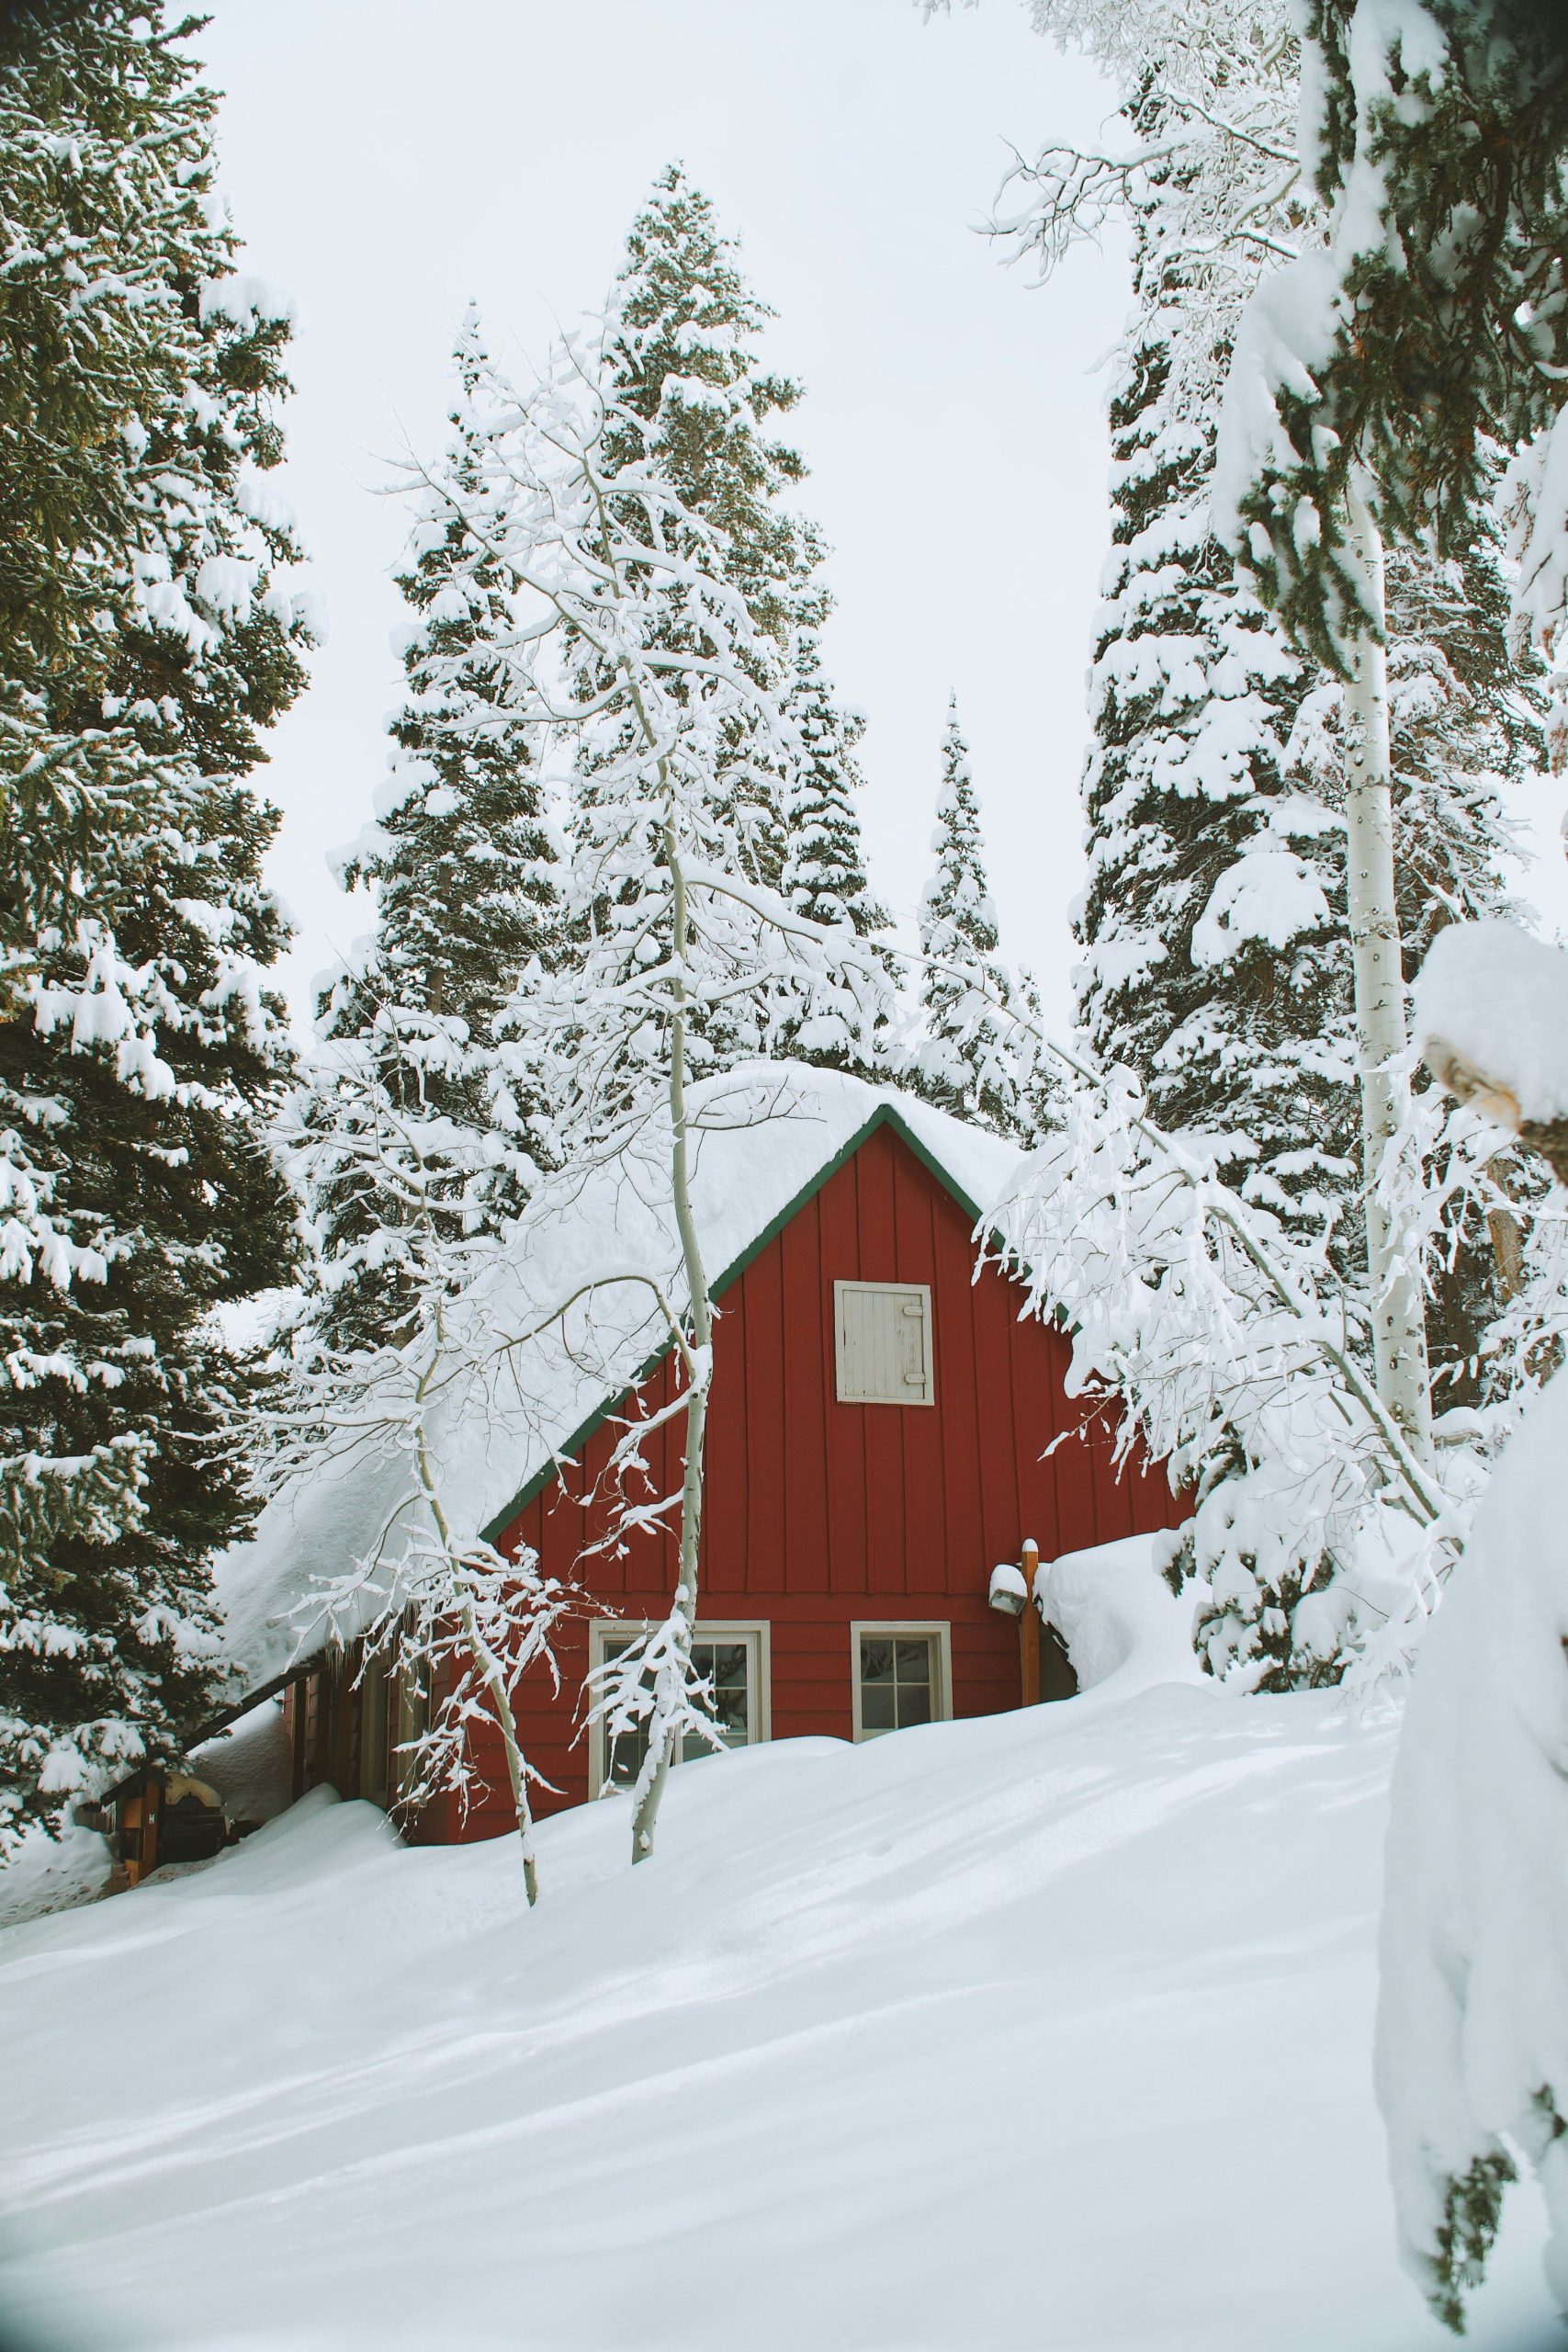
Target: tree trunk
{"x": 1399, "y": 1326}
{"x": 645, "y": 1819}
{"x": 494, "y": 1677}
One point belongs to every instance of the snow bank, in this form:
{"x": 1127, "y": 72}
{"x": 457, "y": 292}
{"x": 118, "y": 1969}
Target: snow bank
{"x": 767, "y": 1132}
{"x": 1499, "y": 1000}
{"x": 1118, "y": 1617}
{"x": 49, "y": 1874}
{"x": 1043, "y": 2033}
{"x": 1472, "y": 2018}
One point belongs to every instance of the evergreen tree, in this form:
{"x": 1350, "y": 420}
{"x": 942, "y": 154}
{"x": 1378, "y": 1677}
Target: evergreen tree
{"x": 408, "y": 1123}
{"x": 1393, "y": 360}
{"x": 685, "y": 367}
{"x": 683, "y": 380}
{"x": 144, "y": 646}
{"x": 969, "y": 1060}
{"x": 1216, "y": 918}
{"x": 824, "y": 876}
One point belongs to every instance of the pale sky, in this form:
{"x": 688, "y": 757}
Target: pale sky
{"x": 387, "y": 159}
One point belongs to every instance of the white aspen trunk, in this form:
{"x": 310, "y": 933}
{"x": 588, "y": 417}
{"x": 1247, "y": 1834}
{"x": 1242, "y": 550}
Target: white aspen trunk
{"x": 1399, "y": 1323}
{"x": 494, "y": 1680}
{"x": 645, "y": 1819}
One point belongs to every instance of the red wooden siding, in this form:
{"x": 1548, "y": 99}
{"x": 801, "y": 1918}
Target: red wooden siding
{"x": 820, "y": 1513}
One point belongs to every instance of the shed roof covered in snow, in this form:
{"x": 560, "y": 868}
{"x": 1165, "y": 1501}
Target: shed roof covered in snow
{"x": 518, "y": 1383}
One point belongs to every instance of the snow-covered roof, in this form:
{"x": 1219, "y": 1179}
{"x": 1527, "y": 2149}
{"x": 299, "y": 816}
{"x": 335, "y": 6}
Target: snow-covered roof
{"x": 516, "y": 1387}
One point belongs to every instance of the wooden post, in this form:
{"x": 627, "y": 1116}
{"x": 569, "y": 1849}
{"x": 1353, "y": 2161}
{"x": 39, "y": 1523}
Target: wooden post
{"x": 147, "y": 1830}
{"x": 1028, "y": 1629}
{"x": 128, "y": 1822}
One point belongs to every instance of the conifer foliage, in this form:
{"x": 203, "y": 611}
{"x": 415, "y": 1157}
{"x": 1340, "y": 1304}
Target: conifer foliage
{"x": 407, "y": 1132}
{"x": 1429, "y": 328}
{"x": 823, "y": 875}
{"x": 968, "y": 1060}
{"x": 1216, "y": 919}
{"x": 685, "y": 370}
{"x": 1213, "y": 919}
{"x": 685, "y": 383}
{"x": 145, "y": 641}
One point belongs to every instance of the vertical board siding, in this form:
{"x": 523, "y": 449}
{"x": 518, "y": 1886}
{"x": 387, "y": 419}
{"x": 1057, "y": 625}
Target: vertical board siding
{"x": 820, "y": 1513}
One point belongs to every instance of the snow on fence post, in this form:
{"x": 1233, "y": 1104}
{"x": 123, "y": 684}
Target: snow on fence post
{"x": 1029, "y": 1627}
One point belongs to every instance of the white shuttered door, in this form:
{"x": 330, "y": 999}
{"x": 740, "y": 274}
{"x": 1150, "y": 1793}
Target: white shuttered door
{"x": 884, "y": 1343}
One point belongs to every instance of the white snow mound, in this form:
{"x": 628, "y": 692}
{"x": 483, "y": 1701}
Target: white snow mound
{"x": 1043, "y": 2033}
{"x": 1118, "y": 1617}
{"x": 1500, "y": 998}
{"x": 1471, "y": 2020}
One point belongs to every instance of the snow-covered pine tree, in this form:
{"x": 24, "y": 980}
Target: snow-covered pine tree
{"x": 1374, "y": 376}
{"x": 685, "y": 366}
{"x": 823, "y": 876}
{"x": 1217, "y": 919}
{"x": 144, "y": 645}
{"x": 1393, "y": 358}
{"x": 406, "y": 1127}
{"x": 968, "y": 1060}
{"x": 686, "y": 375}
{"x": 1212, "y": 917}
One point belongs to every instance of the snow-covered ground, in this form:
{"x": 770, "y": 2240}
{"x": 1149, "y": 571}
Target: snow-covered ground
{"x": 1049, "y": 2030}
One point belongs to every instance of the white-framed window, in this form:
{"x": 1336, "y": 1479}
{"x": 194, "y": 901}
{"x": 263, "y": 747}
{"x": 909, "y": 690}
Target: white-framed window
{"x": 734, "y": 1657}
{"x": 903, "y": 1675}
{"x": 883, "y": 1344}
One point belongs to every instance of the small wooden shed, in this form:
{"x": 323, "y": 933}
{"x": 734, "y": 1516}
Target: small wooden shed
{"x": 886, "y": 1426}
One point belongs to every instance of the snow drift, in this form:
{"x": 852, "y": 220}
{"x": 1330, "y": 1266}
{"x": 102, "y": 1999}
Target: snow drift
{"x": 1043, "y": 2032}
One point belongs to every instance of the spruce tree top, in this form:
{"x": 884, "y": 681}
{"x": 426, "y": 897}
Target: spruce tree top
{"x": 957, "y": 904}
{"x": 980, "y": 1057}
{"x": 824, "y": 875}
{"x": 684, "y": 360}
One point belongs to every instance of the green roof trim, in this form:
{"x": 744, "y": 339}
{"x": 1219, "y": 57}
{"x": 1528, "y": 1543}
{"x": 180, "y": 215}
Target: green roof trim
{"x": 885, "y": 1115}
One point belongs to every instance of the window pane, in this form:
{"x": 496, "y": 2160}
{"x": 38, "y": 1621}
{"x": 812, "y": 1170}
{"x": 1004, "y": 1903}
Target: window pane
{"x": 875, "y": 1660}
{"x": 914, "y": 1702}
{"x": 732, "y": 1715}
{"x": 914, "y": 1661}
{"x": 876, "y": 1706}
{"x": 724, "y": 1665}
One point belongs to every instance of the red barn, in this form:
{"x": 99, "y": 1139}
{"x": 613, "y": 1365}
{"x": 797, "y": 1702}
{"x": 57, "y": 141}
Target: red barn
{"x": 884, "y": 1429}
